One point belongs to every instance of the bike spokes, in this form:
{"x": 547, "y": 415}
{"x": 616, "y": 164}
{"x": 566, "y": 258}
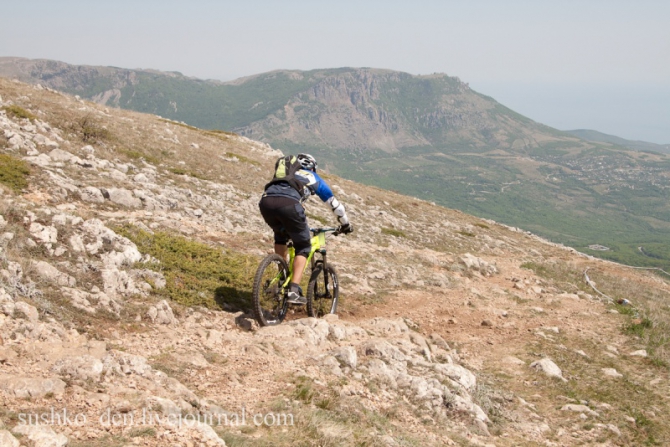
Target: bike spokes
{"x": 322, "y": 292}
{"x": 268, "y": 295}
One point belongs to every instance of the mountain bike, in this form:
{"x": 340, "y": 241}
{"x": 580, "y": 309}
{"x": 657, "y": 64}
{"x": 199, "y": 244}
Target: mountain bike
{"x": 271, "y": 282}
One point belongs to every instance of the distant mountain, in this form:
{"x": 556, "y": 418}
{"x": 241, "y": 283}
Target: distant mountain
{"x": 345, "y": 108}
{"x": 594, "y": 135}
{"x": 428, "y": 136}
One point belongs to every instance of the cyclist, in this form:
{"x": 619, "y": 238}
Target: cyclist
{"x": 282, "y": 209}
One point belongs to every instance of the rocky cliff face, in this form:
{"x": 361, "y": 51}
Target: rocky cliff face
{"x": 452, "y": 330}
{"x": 350, "y": 108}
{"x": 377, "y": 109}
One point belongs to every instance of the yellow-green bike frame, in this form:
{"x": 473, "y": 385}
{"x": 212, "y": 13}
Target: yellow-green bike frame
{"x": 269, "y": 294}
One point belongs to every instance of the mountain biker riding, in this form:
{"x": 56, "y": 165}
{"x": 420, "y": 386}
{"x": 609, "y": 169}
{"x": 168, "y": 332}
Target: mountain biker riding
{"x": 282, "y": 209}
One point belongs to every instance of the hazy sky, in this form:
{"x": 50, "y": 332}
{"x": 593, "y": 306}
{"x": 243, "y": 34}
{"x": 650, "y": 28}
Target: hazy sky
{"x": 595, "y": 64}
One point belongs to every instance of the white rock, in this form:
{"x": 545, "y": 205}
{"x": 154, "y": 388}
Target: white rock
{"x": 614, "y": 429}
{"x": 23, "y": 387}
{"x": 125, "y": 256}
{"x": 347, "y": 356}
{"x": 45, "y": 234}
{"x": 26, "y": 311}
{"x": 51, "y": 273}
{"x": 380, "y": 371}
{"x": 7, "y": 440}
{"x": 140, "y": 178}
{"x": 611, "y": 372}
{"x": 91, "y": 194}
{"x": 83, "y": 367}
{"x": 161, "y": 313}
{"x": 510, "y": 360}
{"x": 478, "y": 264}
{"x": 126, "y": 364}
{"x": 117, "y": 175}
{"x": 77, "y": 244}
{"x": 640, "y": 353}
{"x": 459, "y": 374}
{"x": 60, "y": 155}
{"x": 579, "y": 409}
{"x": 568, "y": 296}
{"x": 205, "y": 432}
{"x": 118, "y": 282}
{"x": 41, "y": 435}
{"x": 549, "y": 368}
{"x": 41, "y": 140}
{"x": 123, "y": 197}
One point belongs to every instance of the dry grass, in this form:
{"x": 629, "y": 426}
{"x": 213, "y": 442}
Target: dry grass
{"x": 322, "y": 418}
{"x": 646, "y": 326}
{"x": 649, "y": 310}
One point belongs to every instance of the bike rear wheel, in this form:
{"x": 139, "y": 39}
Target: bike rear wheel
{"x": 269, "y": 304}
{"x": 322, "y": 292}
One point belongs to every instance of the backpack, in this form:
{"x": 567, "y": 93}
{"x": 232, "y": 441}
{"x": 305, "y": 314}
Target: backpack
{"x": 285, "y": 169}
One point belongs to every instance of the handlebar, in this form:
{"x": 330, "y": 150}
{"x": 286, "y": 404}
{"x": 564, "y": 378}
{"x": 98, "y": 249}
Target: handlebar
{"x": 324, "y": 230}
{"x": 335, "y": 230}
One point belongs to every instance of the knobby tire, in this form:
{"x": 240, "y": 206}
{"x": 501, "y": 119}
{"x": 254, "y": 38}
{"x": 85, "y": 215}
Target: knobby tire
{"x": 269, "y": 304}
{"x": 322, "y": 292}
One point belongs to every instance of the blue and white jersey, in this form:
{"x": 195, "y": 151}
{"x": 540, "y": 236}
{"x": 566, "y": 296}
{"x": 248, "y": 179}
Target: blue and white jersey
{"x": 315, "y": 185}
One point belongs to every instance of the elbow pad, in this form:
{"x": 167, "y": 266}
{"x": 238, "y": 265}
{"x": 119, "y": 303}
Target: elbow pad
{"x": 338, "y": 210}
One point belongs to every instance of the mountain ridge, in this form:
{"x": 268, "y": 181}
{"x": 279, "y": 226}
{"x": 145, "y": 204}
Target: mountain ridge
{"x": 594, "y": 135}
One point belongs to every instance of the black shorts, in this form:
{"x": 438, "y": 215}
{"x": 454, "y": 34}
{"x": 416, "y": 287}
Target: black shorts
{"x": 287, "y": 219}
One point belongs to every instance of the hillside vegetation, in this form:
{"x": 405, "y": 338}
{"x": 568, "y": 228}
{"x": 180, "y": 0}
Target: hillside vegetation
{"x": 594, "y": 135}
{"x": 428, "y": 136}
{"x": 127, "y": 246}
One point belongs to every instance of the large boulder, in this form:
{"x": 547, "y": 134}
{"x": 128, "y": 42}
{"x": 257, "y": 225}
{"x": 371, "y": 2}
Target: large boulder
{"x": 122, "y": 197}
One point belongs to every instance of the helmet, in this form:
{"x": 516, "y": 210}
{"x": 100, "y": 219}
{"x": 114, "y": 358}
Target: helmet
{"x": 307, "y": 162}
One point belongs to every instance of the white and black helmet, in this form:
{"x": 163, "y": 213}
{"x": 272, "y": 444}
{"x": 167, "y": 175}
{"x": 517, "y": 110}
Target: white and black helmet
{"x": 307, "y": 162}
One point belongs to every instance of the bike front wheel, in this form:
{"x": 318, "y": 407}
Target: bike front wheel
{"x": 269, "y": 305}
{"x": 322, "y": 291}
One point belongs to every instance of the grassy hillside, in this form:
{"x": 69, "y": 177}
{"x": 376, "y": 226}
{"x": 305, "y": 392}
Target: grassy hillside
{"x": 563, "y": 204}
{"x": 128, "y": 246}
{"x": 594, "y": 135}
{"x": 428, "y": 136}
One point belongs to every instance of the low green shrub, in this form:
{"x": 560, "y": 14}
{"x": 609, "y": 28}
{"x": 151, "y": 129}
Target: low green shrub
{"x": 195, "y": 273}
{"x": 14, "y": 172}
{"x": 242, "y": 158}
{"x": 466, "y": 233}
{"x": 90, "y": 131}
{"x": 393, "y": 232}
{"x": 15, "y": 111}
{"x": 137, "y": 155}
{"x": 182, "y": 171}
